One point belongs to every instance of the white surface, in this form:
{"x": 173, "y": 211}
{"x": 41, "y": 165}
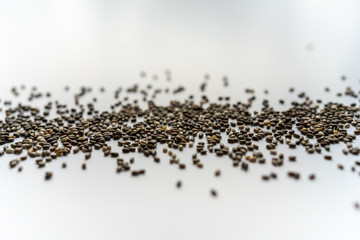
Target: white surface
{"x": 258, "y": 44}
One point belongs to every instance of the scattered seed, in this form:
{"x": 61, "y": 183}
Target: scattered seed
{"x": 179, "y": 184}
{"x": 48, "y": 175}
{"x": 265, "y": 177}
{"x": 273, "y": 175}
{"x": 213, "y": 193}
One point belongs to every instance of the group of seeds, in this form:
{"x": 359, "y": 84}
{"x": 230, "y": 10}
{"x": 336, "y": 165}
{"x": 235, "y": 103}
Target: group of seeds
{"x": 178, "y": 125}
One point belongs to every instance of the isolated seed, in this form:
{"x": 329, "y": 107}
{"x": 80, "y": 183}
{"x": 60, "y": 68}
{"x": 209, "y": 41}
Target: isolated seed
{"x": 217, "y": 172}
{"x": 48, "y": 175}
{"x": 178, "y": 184}
{"x": 182, "y": 166}
{"x": 312, "y": 176}
{"x": 213, "y": 193}
{"x": 357, "y": 205}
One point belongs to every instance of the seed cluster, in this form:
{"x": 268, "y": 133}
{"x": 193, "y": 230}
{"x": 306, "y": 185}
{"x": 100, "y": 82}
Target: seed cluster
{"x": 220, "y": 128}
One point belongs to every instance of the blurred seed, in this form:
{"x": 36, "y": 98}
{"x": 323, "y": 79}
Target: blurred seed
{"x": 48, "y": 175}
{"x": 178, "y": 184}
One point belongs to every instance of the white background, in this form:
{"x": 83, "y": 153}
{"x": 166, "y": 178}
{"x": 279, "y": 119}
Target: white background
{"x": 257, "y": 44}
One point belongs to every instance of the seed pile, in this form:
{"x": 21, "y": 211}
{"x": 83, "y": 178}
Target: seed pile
{"x": 227, "y": 130}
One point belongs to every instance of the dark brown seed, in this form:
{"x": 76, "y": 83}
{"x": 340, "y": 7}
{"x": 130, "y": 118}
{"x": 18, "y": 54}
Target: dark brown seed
{"x": 114, "y": 154}
{"x": 327, "y": 157}
{"x": 41, "y": 164}
{"x": 76, "y": 150}
{"x": 179, "y": 184}
{"x": 83, "y": 166}
{"x": 13, "y": 163}
{"x": 87, "y": 156}
{"x": 217, "y": 172}
{"x": 273, "y": 175}
{"x": 273, "y": 152}
{"x": 213, "y": 193}
{"x": 48, "y": 175}
{"x": 63, "y": 165}
{"x": 294, "y": 175}
{"x": 310, "y": 150}
{"x": 312, "y": 176}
